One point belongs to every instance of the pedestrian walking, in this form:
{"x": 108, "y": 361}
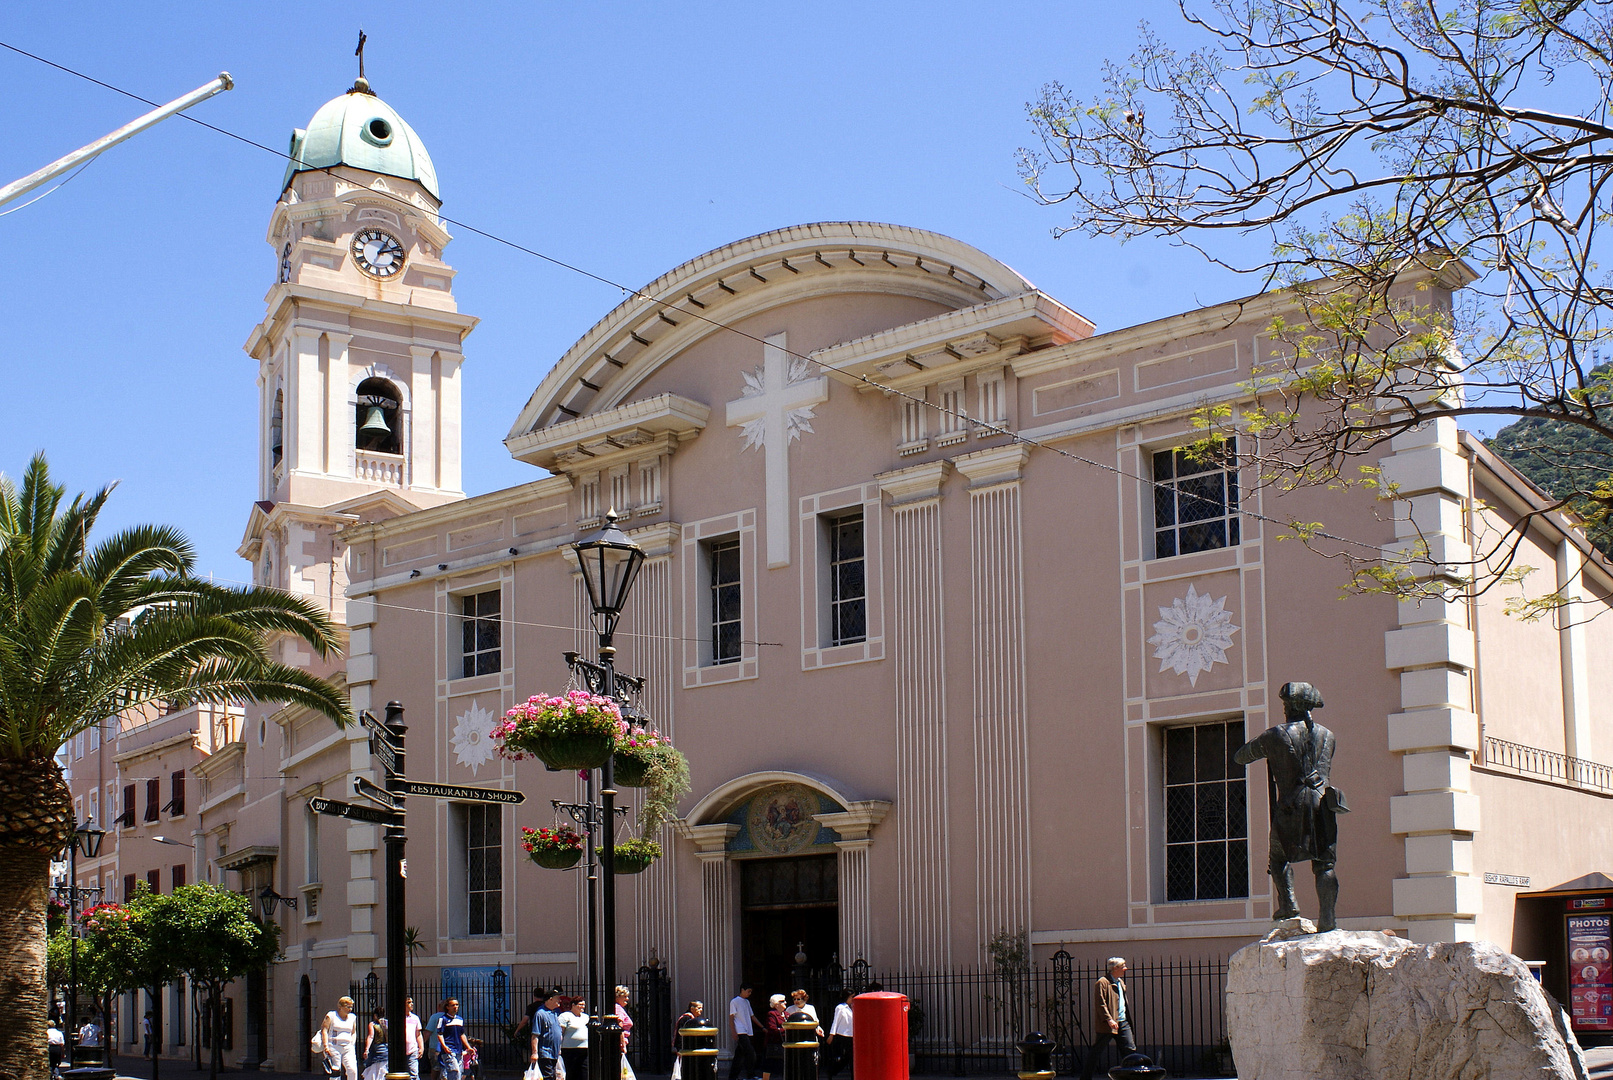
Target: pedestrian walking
{"x": 377, "y": 1050}
{"x": 574, "y": 1040}
{"x": 690, "y": 1017}
{"x": 742, "y": 1022}
{"x": 340, "y": 1036}
{"x": 773, "y": 1038}
{"x": 145, "y": 1032}
{"x": 58, "y": 1046}
{"x": 413, "y": 1038}
{"x": 838, "y": 1053}
{"x": 547, "y": 1035}
{"x": 625, "y": 1019}
{"x": 432, "y": 1030}
{"x": 1111, "y": 1015}
{"x": 451, "y": 1044}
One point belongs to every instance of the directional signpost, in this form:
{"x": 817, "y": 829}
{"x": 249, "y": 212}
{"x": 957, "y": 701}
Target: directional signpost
{"x": 386, "y": 746}
{"x": 461, "y": 792}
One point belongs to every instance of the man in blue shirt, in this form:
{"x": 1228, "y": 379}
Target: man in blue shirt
{"x": 451, "y": 1042}
{"x": 546, "y": 1035}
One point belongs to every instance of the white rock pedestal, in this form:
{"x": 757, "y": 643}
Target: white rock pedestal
{"x": 1366, "y": 1006}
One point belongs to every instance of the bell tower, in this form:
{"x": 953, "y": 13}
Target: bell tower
{"x": 360, "y": 349}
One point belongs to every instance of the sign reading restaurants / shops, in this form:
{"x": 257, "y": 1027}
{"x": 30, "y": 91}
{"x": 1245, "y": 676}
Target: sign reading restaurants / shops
{"x": 1590, "y": 971}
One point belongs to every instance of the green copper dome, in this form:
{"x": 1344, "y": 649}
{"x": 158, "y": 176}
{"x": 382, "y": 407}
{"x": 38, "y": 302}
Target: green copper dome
{"x": 361, "y": 130}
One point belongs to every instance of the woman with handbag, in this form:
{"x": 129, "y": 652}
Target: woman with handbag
{"x": 376, "y": 1049}
{"x": 338, "y": 1036}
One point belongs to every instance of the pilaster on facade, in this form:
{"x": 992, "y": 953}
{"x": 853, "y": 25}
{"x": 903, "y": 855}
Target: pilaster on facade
{"x": 719, "y": 908}
{"x": 855, "y": 827}
{"x": 1002, "y": 796}
{"x": 918, "y": 654}
{"x": 1436, "y": 732}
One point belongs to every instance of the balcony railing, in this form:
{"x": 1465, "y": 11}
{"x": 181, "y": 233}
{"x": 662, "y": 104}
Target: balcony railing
{"x": 377, "y": 468}
{"x": 1547, "y": 765}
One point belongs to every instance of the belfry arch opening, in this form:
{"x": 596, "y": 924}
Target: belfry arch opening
{"x": 378, "y": 417}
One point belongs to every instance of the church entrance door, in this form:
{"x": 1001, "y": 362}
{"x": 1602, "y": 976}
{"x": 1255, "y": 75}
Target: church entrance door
{"x": 787, "y": 905}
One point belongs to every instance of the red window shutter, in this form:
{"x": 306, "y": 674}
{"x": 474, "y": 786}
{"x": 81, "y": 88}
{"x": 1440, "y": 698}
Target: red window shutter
{"x": 179, "y": 875}
{"x": 153, "y": 799}
{"x": 128, "y": 805}
{"x": 177, "y": 786}
{"x": 154, "y": 879}
{"x": 128, "y": 885}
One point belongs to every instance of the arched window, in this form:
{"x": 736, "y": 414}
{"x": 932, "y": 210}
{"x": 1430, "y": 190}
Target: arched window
{"x": 277, "y": 425}
{"x": 378, "y": 417}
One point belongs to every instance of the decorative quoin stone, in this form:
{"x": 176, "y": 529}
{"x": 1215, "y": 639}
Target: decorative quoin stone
{"x": 1370, "y": 1006}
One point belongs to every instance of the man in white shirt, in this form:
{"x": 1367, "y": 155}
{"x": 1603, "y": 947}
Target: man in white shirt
{"x": 413, "y": 1037}
{"x": 838, "y": 1047}
{"x": 742, "y": 1019}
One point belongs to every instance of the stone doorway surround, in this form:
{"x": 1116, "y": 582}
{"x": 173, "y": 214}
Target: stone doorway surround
{"x": 719, "y": 877}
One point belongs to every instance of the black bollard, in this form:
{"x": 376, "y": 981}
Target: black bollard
{"x": 697, "y": 1050}
{"x": 800, "y": 1047}
{"x": 1137, "y": 1067}
{"x": 1036, "y": 1057}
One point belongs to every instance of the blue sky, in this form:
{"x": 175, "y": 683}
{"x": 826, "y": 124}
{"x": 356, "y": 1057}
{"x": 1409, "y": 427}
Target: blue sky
{"x": 623, "y": 138}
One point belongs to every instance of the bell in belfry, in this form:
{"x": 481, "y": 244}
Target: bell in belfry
{"x": 375, "y": 423}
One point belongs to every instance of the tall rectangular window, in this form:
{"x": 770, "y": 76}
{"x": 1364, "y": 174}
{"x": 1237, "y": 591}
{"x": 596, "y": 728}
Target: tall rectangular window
{"x": 484, "y": 869}
{"x": 154, "y": 879}
{"x": 725, "y": 617}
{"x": 176, "y": 794}
{"x": 1206, "y": 813}
{"x": 311, "y": 838}
{"x": 848, "y": 588}
{"x": 481, "y": 634}
{"x": 1195, "y": 502}
{"x": 128, "y": 805}
{"x": 153, "y": 799}
{"x": 178, "y": 877}
{"x": 95, "y": 807}
{"x": 128, "y": 887}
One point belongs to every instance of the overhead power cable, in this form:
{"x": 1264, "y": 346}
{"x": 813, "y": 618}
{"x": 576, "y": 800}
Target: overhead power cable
{"x": 956, "y": 414}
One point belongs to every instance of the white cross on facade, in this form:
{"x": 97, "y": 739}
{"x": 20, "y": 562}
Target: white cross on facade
{"x": 775, "y": 410}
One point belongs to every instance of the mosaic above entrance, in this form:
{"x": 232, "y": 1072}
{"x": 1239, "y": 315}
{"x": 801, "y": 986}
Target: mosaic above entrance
{"x": 779, "y": 820}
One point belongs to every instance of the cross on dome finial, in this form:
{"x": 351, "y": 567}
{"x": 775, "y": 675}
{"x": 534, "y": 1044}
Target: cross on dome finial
{"x": 361, "y": 85}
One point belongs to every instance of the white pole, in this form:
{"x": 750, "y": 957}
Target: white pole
{"x": 127, "y": 131}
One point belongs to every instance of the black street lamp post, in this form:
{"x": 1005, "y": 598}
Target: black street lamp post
{"x": 610, "y": 562}
{"x": 88, "y": 838}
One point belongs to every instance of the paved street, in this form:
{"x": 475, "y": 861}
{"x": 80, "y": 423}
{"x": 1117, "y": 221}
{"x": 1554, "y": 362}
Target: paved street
{"x": 1599, "y": 1060}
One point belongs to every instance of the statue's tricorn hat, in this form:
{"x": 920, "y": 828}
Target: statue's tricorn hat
{"x": 1301, "y": 694}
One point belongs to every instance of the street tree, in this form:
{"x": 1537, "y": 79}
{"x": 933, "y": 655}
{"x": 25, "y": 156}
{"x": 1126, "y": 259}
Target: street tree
{"x": 1356, "y": 152}
{"x": 88, "y": 632}
{"x": 117, "y": 951}
{"x": 212, "y": 937}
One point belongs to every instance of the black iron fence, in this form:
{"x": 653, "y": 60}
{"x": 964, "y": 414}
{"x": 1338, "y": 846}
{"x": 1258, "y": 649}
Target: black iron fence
{"x": 961, "y": 1023}
{"x": 964, "y": 1023}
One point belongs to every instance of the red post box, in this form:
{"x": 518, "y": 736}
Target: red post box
{"x": 879, "y": 1048}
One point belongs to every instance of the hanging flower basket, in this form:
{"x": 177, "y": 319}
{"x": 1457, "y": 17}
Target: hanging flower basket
{"x": 556, "y": 849}
{"x": 634, "y": 856}
{"x": 637, "y": 753}
{"x": 576, "y": 731}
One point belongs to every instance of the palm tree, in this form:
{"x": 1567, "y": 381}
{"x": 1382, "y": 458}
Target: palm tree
{"x": 87, "y": 633}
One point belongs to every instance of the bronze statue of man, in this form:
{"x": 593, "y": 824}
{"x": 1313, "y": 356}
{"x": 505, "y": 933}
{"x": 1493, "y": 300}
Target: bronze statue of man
{"x": 1299, "y": 763}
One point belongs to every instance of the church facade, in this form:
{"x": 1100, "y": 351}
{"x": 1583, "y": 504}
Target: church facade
{"x": 957, "y": 639}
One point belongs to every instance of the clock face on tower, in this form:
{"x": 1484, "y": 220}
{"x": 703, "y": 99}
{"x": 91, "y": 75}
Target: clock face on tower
{"x": 377, "y": 253}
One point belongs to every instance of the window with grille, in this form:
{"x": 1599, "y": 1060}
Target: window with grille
{"x": 1206, "y": 813}
{"x": 484, "y": 869}
{"x": 848, "y": 590}
{"x": 726, "y": 635}
{"x": 153, "y": 799}
{"x": 1195, "y": 502}
{"x": 481, "y": 634}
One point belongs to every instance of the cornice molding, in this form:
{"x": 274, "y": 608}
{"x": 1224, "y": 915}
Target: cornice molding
{"x": 548, "y": 487}
{"x": 999, "y": 465}
{"x": 859, "y": 819}
{"x": 917, "y": 483}
{"x": 602, "y": 439}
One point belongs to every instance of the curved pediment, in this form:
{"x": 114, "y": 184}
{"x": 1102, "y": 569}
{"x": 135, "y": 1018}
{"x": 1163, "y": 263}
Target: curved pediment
{"x": 748, "y": 276}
